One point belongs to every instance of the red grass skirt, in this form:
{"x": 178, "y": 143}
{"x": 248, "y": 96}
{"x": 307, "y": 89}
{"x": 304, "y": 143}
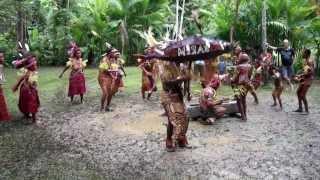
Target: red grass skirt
{"x": 28, "y": 100}
{"x": 77, "y": 84}
{"x": 4, "y": 114}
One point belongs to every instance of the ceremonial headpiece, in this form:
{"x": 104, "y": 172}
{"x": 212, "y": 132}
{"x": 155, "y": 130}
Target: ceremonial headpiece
{"x": 29, "y": 61}
{"x": 72, "y": 49}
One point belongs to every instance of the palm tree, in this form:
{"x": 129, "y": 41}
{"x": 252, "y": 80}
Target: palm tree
{"x": 130, "y": 16}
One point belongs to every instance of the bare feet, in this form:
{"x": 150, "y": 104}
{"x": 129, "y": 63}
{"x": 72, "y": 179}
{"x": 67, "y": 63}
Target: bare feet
{"x": 210, "y": 120}
{"x": 299, "y": 110}
{"x": 108, "y": 109}
{"x": 170, "y": 149}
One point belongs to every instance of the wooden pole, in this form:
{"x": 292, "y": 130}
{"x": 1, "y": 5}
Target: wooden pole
{"x": 264, "y": 26}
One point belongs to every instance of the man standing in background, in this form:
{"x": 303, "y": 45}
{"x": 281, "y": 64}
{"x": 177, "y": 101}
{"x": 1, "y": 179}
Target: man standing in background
{"x": 287, "y": 58}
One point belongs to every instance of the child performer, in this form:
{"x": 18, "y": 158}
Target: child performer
{"x": 148, "y": 83}
{"x": 278, "y": 87}
{"x": 241, "y": 83}
{"x": 305, "y": 81}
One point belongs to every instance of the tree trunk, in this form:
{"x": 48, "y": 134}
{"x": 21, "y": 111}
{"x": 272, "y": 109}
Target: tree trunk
{"x": 264, "y": 26}
{"x": 318, "y": 60}
{"x": 21, "y": 30}
{"x": 232, "y": 28}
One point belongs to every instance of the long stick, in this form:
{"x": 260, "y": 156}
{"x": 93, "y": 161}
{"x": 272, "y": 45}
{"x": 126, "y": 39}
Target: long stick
{"x": 264, "y": 26}
{"x": 176, "y": 28}
{"x": 181, "y": 19}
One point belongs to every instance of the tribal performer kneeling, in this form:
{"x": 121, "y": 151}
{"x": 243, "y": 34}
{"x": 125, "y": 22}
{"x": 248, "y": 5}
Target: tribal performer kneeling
{"x": 241, "y": 83}
{"x": 209, "y": 102}
{"x": 28, "y": 100}
{"x": 172, "y": 101}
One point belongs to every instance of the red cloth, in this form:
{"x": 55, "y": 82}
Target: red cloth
{"x": 4, "y": 114}
{"x": 28, "y": 100}
{"x": 77, "y": 83}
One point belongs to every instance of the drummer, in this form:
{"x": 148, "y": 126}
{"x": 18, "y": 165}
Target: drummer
{"x": 209, "y": 102}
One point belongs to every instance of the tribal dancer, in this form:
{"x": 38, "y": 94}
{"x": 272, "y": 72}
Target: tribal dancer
{"x": 148, "y": 83}
{"x": 28, "y": 100}
{"x": 110, "y": 76}
{"x": 4, "y": 114}
{"x": 172, "y": 101}
{"x": 251, "y": 89}
{"x": 256, "y": 77}
{"x": 148, "y": 79}
{"x": 305, "y": 81}
{"x": 209, "y": 101}
{"x": 241, "y": 83}
{"x": 77, "y": 84}
{"x": 210, "y": 68}
{"x": 278, "y": 87}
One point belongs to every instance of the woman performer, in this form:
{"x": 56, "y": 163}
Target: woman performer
{"x": 305, "y": 81}
{"x": 110, "y": 77}
{"x": 77, "y": 84}
{"x": 172, "y": 101}
{"x": 4, "y": 114}
{"x": 28, "y": 100}
{"x": 148, "y": 79}
{"x": 241, "y": 83}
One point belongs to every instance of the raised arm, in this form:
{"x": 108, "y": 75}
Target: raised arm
{"x": 271, "y": 47}
{"x": 64, "y": 70}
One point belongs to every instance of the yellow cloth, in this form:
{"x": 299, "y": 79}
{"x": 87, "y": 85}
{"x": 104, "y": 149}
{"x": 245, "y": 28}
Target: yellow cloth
{"x": 306, "y": 69}
{"x": 33, "y": 78}
{"x": 33, "y": 75}
{"x": 22, "y": 72}
{"x": 84, "y": 63}
{"x": 122, "y": 61}
{"x": 104, "y": 66}
{"x": 69, "y": 63}
{"x": 114, "y": 66}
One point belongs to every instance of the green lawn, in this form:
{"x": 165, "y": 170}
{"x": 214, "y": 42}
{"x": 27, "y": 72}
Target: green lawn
{"x": 50, "y": 84}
